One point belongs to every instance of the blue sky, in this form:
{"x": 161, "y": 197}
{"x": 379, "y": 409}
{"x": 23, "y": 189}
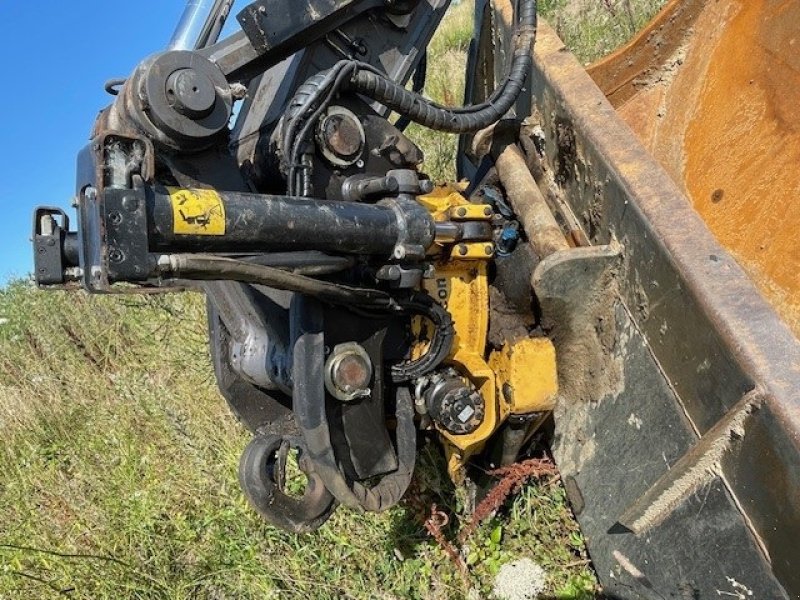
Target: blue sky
{"x": 58, "y": 54}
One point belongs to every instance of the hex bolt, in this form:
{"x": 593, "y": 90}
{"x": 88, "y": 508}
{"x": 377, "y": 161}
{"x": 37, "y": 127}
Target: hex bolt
{"x": 462, "y": 250}
{"x": 462, "y": 212}
{"x": 115, "y": 218}
{"x": 488, "y": 211}
{"x": 115, "y": 255}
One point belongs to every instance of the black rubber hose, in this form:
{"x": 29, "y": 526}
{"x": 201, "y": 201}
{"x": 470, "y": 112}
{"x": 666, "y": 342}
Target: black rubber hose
{"x": 311, "y": 95}
{"x": 441, "y": 342}
{"x": 207, "y": 267}
{"x": 418, "y": 86}
{"x": 310, "y": 263}
{"x": 390, "y": 489}
{"x": 296, "y": 155}
{"x": 455, "y": 120}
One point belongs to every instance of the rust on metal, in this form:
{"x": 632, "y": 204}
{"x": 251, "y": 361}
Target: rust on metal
{"x": 529, "y": 203}
{"x": 649, "y": 56}
{"x": 691, "y": 331}
{"x": 713, "y": 90}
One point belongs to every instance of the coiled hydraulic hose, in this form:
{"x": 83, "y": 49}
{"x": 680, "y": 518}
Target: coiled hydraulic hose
{"x": 458, "y": 120}
{"x": 441, "y": 342}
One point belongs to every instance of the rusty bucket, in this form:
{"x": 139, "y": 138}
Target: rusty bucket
{"x": 712, "y": 88}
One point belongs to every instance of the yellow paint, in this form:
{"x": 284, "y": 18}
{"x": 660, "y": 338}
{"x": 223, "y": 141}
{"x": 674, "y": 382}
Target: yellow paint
{"x": 471, "y": 212}
{"x": 197, "y": 212}
{"x": 455, "y": 463}
{"x": 474, "y": 251}
{"x": 441, "y": 200}
{"x": 461, "y": 285}
{"x": 529, "y": 368}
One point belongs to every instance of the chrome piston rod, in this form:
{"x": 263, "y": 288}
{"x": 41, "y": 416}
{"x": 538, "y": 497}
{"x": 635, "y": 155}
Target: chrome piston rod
{"x": 200, "y": 24}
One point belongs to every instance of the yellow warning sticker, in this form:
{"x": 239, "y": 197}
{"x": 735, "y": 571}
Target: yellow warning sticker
{"x": 197, "y": 212}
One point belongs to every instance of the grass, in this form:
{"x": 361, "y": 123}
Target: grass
{"x": 119, "y": 478}
{"x": 119, "y": 457}
{"x": 445, "y": 84}
{"x": 593, "y": 28}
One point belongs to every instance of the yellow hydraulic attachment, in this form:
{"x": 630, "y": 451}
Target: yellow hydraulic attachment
{"x": 518, "y": 379}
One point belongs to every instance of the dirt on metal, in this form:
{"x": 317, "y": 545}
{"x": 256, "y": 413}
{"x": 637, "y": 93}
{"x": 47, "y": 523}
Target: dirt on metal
{"x": 713, "y": 90}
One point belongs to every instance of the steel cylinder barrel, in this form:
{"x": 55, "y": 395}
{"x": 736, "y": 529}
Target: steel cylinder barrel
{"x": 186, "y": 220}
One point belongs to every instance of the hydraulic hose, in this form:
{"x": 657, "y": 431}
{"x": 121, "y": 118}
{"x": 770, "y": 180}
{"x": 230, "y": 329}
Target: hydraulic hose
{"x": 458, "y": 120}
{"x": 441, "y": 342}
{"x": 208, "y": 267}
{"x": 310, "y": 263}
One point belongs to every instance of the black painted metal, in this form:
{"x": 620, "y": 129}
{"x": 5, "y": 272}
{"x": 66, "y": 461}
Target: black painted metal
{"x": 262, "y": 475}
{"x": 284, "y": 26}
{"x": 54, "y": 248}
{"x": 256, "y": 222}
